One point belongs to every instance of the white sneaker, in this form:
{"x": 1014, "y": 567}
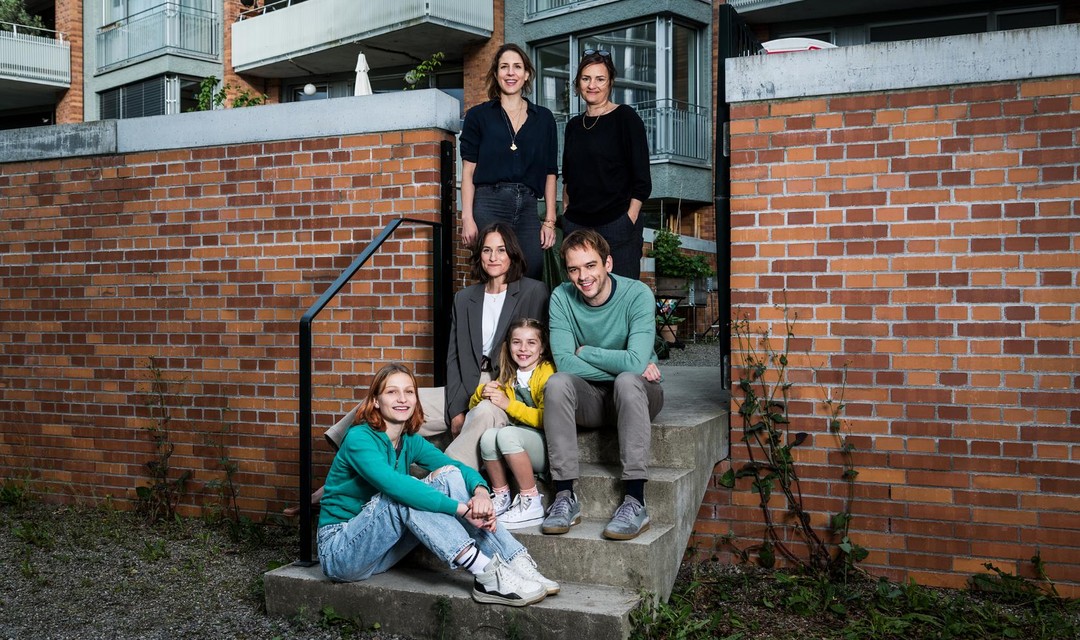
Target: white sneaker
{"x": 525, "y": 511}
{"x": 500, "y": 584}
{"x": 526, "y": 568}
{"x": 501, "y": 502}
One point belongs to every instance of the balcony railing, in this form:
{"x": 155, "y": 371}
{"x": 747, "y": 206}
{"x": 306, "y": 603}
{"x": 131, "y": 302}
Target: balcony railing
{"x": 166, "y": 28}
{"x": 675, "y": 130}
{"x": 35, "y": 55}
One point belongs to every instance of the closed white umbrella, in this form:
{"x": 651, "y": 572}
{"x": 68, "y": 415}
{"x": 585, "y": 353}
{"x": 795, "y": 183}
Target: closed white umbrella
{"x": 363, "y": 84}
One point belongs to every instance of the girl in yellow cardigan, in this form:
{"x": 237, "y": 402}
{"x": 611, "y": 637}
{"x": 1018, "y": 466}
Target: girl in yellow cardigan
{"x": 512, "y": 412}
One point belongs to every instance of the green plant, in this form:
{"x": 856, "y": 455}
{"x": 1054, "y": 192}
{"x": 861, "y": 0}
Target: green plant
{"x": 210, "y": 96}
{"x": 672, "y": 262}
{"x": 418, "y": 74}
{"x": 763, "y": 398}
{"x": 14, "y": 12}
{"x": 238, "y": 527}
{"x": 159, "y": 499}
{"x": 15, "y": 493}
{"x": 444, "y": 618}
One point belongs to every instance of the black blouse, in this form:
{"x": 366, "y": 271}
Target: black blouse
{"x": 486, "y": 138}
{"x": 605, "y": 166}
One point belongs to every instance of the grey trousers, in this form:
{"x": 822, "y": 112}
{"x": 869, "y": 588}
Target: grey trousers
{"x": 630, "y": 402}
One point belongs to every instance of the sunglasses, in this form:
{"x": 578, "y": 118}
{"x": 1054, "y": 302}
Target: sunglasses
{"x": 596, "y": 52}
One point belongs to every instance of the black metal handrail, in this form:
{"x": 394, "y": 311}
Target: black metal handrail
{"x": 441, "y": 265}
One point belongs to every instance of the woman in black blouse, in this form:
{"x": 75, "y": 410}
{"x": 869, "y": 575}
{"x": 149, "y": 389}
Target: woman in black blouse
{"x": 509, "y": 152}
{"x": 606, "y": 175}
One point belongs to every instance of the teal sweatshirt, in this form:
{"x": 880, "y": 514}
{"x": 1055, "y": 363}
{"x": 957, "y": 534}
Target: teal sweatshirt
{"x": 619, "y": 335}
{"x": 366, "y": 464}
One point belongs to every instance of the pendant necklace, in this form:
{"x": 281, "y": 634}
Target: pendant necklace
{"x": 596, "y": 119}
{"x": 510, "y": 128}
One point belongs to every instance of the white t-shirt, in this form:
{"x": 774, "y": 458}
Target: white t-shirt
{"x": 493, "y": 304}
{"x": 523, "y": 377}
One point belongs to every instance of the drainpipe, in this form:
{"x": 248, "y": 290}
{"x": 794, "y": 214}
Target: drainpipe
{"x": 722, "y": 197}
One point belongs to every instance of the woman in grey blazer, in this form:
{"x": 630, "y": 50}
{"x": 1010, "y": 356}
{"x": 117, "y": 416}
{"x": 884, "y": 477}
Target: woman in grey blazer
{"x": 478, "y": 326}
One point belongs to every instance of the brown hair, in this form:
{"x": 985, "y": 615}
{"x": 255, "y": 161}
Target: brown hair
{"x": 507, "y": 368}
{"x": 596, "y": 58}
{"x": 513, "y": 251}
{"x": 586, "y": 239}
{"x": 493, "y": 73}
{"x": 370, "y": 414}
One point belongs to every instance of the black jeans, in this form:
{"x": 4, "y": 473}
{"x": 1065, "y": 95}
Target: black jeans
{"x": 514, "y": 204}
{"x": 625, "y": 239}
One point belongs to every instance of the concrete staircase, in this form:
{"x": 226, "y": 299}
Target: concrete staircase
{"x": 602, "y": 580}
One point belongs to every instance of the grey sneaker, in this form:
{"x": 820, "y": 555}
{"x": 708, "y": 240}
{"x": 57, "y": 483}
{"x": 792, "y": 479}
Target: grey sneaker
{"x": 564, "y": 513}
{"x": 629, "y": 521}
{"x": 500, "y": 584}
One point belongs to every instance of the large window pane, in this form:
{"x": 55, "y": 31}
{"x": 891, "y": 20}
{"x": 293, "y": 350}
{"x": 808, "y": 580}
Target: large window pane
{"x": 633, "y": 50}
{"x": 684, "y": 65}
{"x": 553, "y": 82}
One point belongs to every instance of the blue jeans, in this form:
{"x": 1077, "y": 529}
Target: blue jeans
{"x": 385, "y": 531}
{"x": 624, "y": 238}
{"x": 515, "y": 205}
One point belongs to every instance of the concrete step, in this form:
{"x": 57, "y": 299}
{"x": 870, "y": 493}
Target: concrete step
{"x": 601, "y": 491}
{"x": 404, "y": 601}
{"x": 648, "y": 562}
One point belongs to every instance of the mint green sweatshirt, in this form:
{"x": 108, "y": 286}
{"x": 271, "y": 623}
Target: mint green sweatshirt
{"x": 619, "y": 335}
{"x": 367, "y": 464}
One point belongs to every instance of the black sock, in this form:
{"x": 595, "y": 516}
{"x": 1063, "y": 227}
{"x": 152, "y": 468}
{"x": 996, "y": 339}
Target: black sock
{"x": 635, "y": 489}
{"x": 564, "y": 485}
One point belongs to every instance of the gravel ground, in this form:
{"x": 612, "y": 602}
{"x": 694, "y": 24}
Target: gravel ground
{"x": 95, "y": 572}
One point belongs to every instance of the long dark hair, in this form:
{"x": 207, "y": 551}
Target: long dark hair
{"x": 493, "y": 72}
{"x": 513, "y": 251}
{"x": 507, "y": 366}
{"x": 370, "y": 414}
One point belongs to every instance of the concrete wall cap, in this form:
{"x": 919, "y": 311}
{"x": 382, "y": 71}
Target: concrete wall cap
{"x": 969, "y": 59}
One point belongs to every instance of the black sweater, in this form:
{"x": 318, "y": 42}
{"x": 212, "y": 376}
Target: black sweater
{"x": 605, "y": 166}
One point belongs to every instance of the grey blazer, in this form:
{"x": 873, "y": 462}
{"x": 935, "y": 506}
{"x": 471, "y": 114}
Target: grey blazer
{"x": 525, "y": 298}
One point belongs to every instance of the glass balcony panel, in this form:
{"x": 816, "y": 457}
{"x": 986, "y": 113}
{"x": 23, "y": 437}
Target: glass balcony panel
{"x": 167, "y": 28}
{"x": 34, "y": 55}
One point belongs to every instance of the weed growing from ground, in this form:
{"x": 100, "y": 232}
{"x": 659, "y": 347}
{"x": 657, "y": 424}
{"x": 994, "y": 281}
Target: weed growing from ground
{"x": 159, "y": 499}
{"x": 15, "y": 493}
{"x": 763, "y": 397}
{"x": 729, "y": 602}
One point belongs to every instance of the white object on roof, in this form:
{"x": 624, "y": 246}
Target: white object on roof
{"x": 786, "y": 45}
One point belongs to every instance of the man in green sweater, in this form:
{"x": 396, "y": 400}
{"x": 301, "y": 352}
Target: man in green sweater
{"x": 602, "y": 334}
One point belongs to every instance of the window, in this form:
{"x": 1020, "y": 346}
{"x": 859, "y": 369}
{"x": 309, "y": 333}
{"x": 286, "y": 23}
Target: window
{"x": 151, "y": 97}
{"x": 661, "y": 69}
{"x": 980, "y": 22}
{"x": 554, "y": 77}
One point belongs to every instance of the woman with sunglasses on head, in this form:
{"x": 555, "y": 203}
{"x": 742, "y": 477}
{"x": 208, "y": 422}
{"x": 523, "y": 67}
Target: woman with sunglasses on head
{"x": 509, "y": 153}
{"x": 606, "y": 174}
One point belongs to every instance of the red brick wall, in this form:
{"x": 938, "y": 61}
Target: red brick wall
{"x": 928, "y": 239}
{"x": 69, "y": 21}
{"x": 205, "y": 259}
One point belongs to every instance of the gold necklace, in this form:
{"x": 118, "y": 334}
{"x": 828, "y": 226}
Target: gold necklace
{"x": 510, "y": 126}
{"x": 596, "y": 119}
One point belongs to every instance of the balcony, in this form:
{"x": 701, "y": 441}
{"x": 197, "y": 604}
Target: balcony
{"x": 168, "y": 28}
{"x": 34, "y": 65}
{"x": 288, "y": 38}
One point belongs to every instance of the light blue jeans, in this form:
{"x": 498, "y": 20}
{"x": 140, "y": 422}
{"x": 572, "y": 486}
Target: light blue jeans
{"x": 385, "y": 531}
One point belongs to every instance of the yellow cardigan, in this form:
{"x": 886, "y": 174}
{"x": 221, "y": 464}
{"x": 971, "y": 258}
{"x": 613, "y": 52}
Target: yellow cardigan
{"x": 519, "y": 412}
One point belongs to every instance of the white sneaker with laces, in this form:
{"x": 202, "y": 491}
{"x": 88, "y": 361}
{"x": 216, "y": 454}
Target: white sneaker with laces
{"x": 526, "y": 568}
{"x": 501, "y": 584}
{"x": 525, "y": 511}
{"x": 501, "y": 502}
